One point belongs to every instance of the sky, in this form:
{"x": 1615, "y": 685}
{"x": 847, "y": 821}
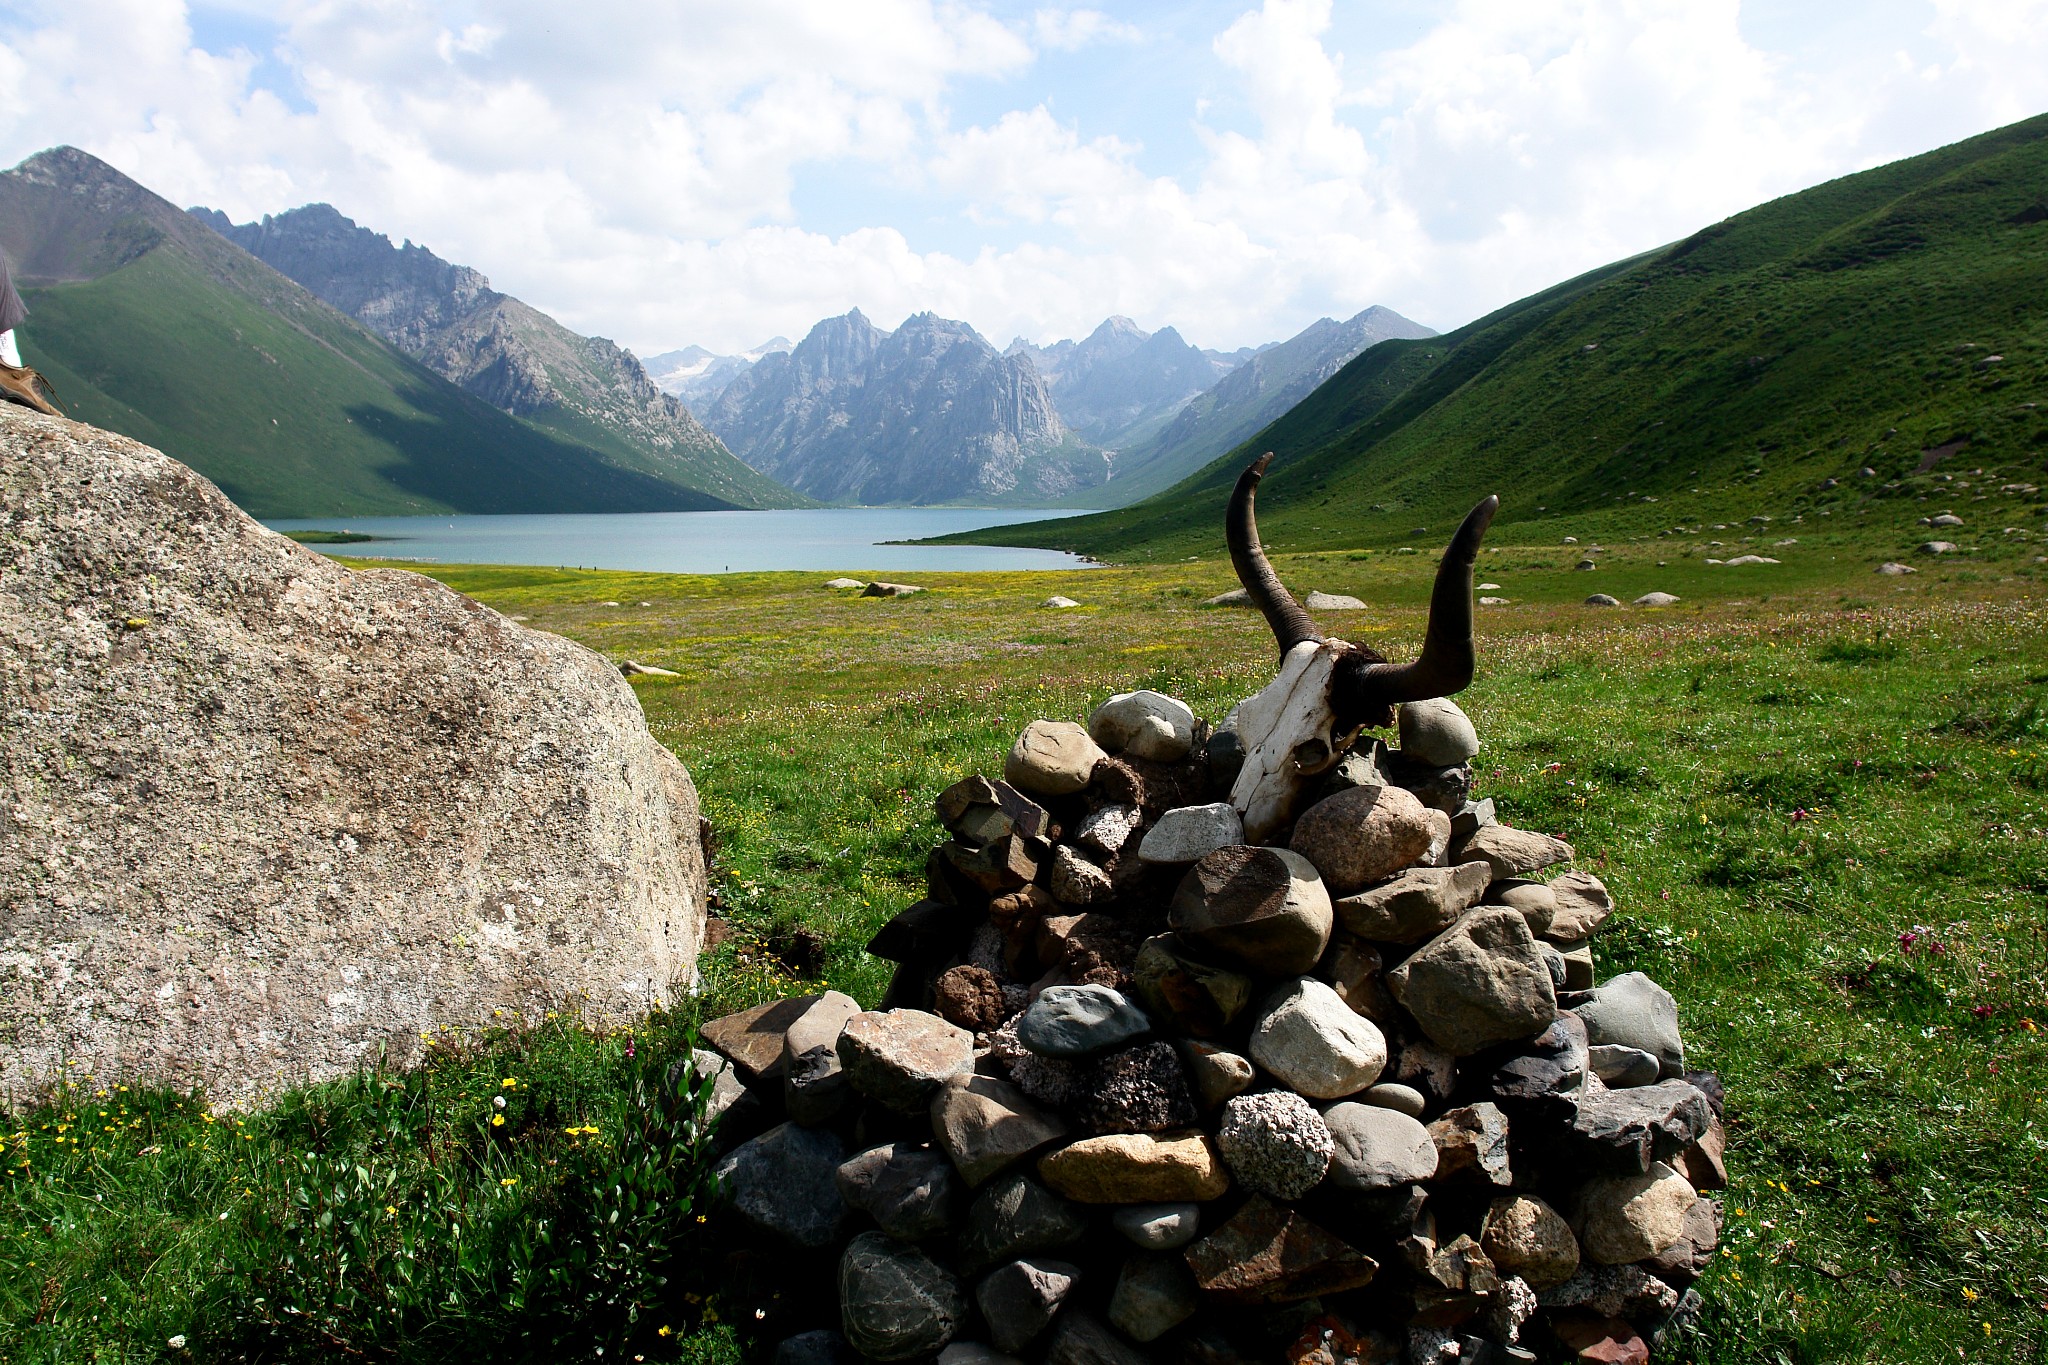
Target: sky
{"x": 718, "y": 173}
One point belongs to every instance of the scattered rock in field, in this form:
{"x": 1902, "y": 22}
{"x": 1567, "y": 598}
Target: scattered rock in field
{"x": 785, "y": 1182}
{"x": 1332, "y": 601}
{"x": 1147, "y": 725}
{"x": 1895, "y": 569}
{"x": 1636, "y": 1012}
{"x": 1052, "y": 758}
{"x": 1266, "y": 907}
{"x": 1236, "y": 597}
{"x": 986, "y": 1125}
{"x": 1750, "y": 559}
{"x": 1585, "y": 564}
{"x": 1158, "y": 1227}
{"x": 844, "y": 583}
{"x": 889, "y": 590}
{"x": 1478, "y": 983}
{"x": 1437, "y": 733}
{"x": 1308, "y": 1038}
{"x": 1939, "y": 547}
{"x": 1058, "y": 603}
{"x": 1601, "y": 599}
{"x": 633, "y": 669}
{"x": 1626, "y": 1218}
{"x": 895, "y": 1302}
{"x": 1274, "y": 1143}
{"x": 1945, "y": 519}
{"x": 900, "y": 1058}
{"x": 1375, "y": 1148}
{"x": 1656, "y": 599}
{"x": 1510, "y": 852}
{"x": 1188, "y": 834}
{"x": 1018, "y": 1300}
{"x": 909, "y": 1190}
{"x": 1494, "y": 602}
{"x": 1358, "y": 837}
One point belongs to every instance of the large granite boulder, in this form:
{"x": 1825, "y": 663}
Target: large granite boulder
{"x": 270, "y": 819}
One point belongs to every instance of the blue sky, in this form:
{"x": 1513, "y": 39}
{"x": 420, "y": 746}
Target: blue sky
{"x": 719, "y": 173}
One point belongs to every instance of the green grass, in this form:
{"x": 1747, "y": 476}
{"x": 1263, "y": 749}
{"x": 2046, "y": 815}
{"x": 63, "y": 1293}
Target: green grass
{"x": 1729, "y": 375}
{"x": 1821, "y": 800}
{"x": 329, "y": 537}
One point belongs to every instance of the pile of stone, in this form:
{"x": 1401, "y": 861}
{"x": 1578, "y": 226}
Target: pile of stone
{"x": 1141, "y": 1091}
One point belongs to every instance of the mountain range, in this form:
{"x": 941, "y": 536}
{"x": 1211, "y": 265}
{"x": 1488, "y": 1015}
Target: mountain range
{"x": 928, "y": 413}
{"x": 152, "y": 324}
{"x": 511, "y": 355}
{"x": 697, "y": 377}
{"x": 1882, "y": 322}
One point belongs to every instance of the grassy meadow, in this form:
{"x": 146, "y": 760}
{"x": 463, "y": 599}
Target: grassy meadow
{"x": 1820, "y": 796}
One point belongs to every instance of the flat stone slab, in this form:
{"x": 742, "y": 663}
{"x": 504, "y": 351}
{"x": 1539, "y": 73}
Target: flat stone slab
{"x": 1268, "y": 1254}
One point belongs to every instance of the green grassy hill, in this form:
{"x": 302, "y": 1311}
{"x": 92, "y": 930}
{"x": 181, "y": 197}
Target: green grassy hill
{"x": 1892, "y": 319}
{"x": 150, "y": 324}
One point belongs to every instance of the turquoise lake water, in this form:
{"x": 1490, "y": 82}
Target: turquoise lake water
{"x": 838, "y": 539}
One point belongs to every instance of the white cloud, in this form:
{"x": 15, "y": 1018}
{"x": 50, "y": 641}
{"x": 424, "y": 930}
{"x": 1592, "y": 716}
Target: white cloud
{"x": 641, "y": 170}
{"x": 1069, "y": 30}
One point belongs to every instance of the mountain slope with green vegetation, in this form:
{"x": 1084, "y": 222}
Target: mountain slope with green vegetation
{"x": 1890, "y": 320}
{"x": 150, "y": 324}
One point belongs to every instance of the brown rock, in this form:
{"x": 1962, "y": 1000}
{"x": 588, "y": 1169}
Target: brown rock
{"x": 1600, "y": 1341}
{"x": 986, "y": 1125}
{"x": 1631, "y": 1217}
{"x": 1001, "y": 865}
{"x": 1214, "y": 1074}
{"x": 1512, "y": 852}
{"x": 900, "y": 1058}
{"x": 1478, "y": 983}
{"x": 1702, "y": 1163}
{"x": 753, "y": 1038}
{"x": 1692, "y": 1251}
{"x": 970, "y": 997}
{"x": 1583, "y": 905}
{"x": 1137, "y": 1168}
{"x": 1052, "y": 758}
{"x": 1535, "y": 900}
{"x": 1196, "y": 997}
{"x": 1415, "y": 905}
{"x": 1266, "y": 907}
{"x": 1355, "y": 970}
{"x": 1267, "y": 1254}
{"x": 980, "y": 811}
{"x": 1017, "y": 916}
{"x": 1362, "y": 835}
{"x": 1472, "y": 1144}
{"x": 1525, "y": 1236}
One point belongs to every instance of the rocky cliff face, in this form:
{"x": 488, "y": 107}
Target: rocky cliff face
{"x": 1117, "y": 383}
{"x": 268, "y": 820}
{"x": 509, "y": 354}
{"x": 929, "y": 413}
{"x": 697, "y": 376}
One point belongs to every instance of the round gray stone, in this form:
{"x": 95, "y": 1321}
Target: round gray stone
{"x": 1308, "y": 1038}
{"x": 1633, "y": 1011}
{"x": 1437, "y": 733}
{"x": 1143, "y": 724}
{"x": 895, "y": 1302}
{"x": 1402, "y": 1099}
{"x": 1078, "y": 1021}
{"x": 1375, "y": 1148}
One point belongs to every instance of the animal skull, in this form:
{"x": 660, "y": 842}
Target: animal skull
{"x": 1300, "y": 724}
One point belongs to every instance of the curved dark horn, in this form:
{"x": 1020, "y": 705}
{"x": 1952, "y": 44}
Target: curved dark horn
{"x": 1447, "y": 660}
{"x": 1291, "y": 625}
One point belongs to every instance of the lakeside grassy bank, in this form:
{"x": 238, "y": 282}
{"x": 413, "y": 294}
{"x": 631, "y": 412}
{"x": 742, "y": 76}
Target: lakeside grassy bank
{"x": 1819, "y": 795}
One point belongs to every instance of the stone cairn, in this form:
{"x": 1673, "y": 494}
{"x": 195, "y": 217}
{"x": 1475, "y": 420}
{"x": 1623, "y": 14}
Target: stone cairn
{"x": 1141, "y": 1091}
